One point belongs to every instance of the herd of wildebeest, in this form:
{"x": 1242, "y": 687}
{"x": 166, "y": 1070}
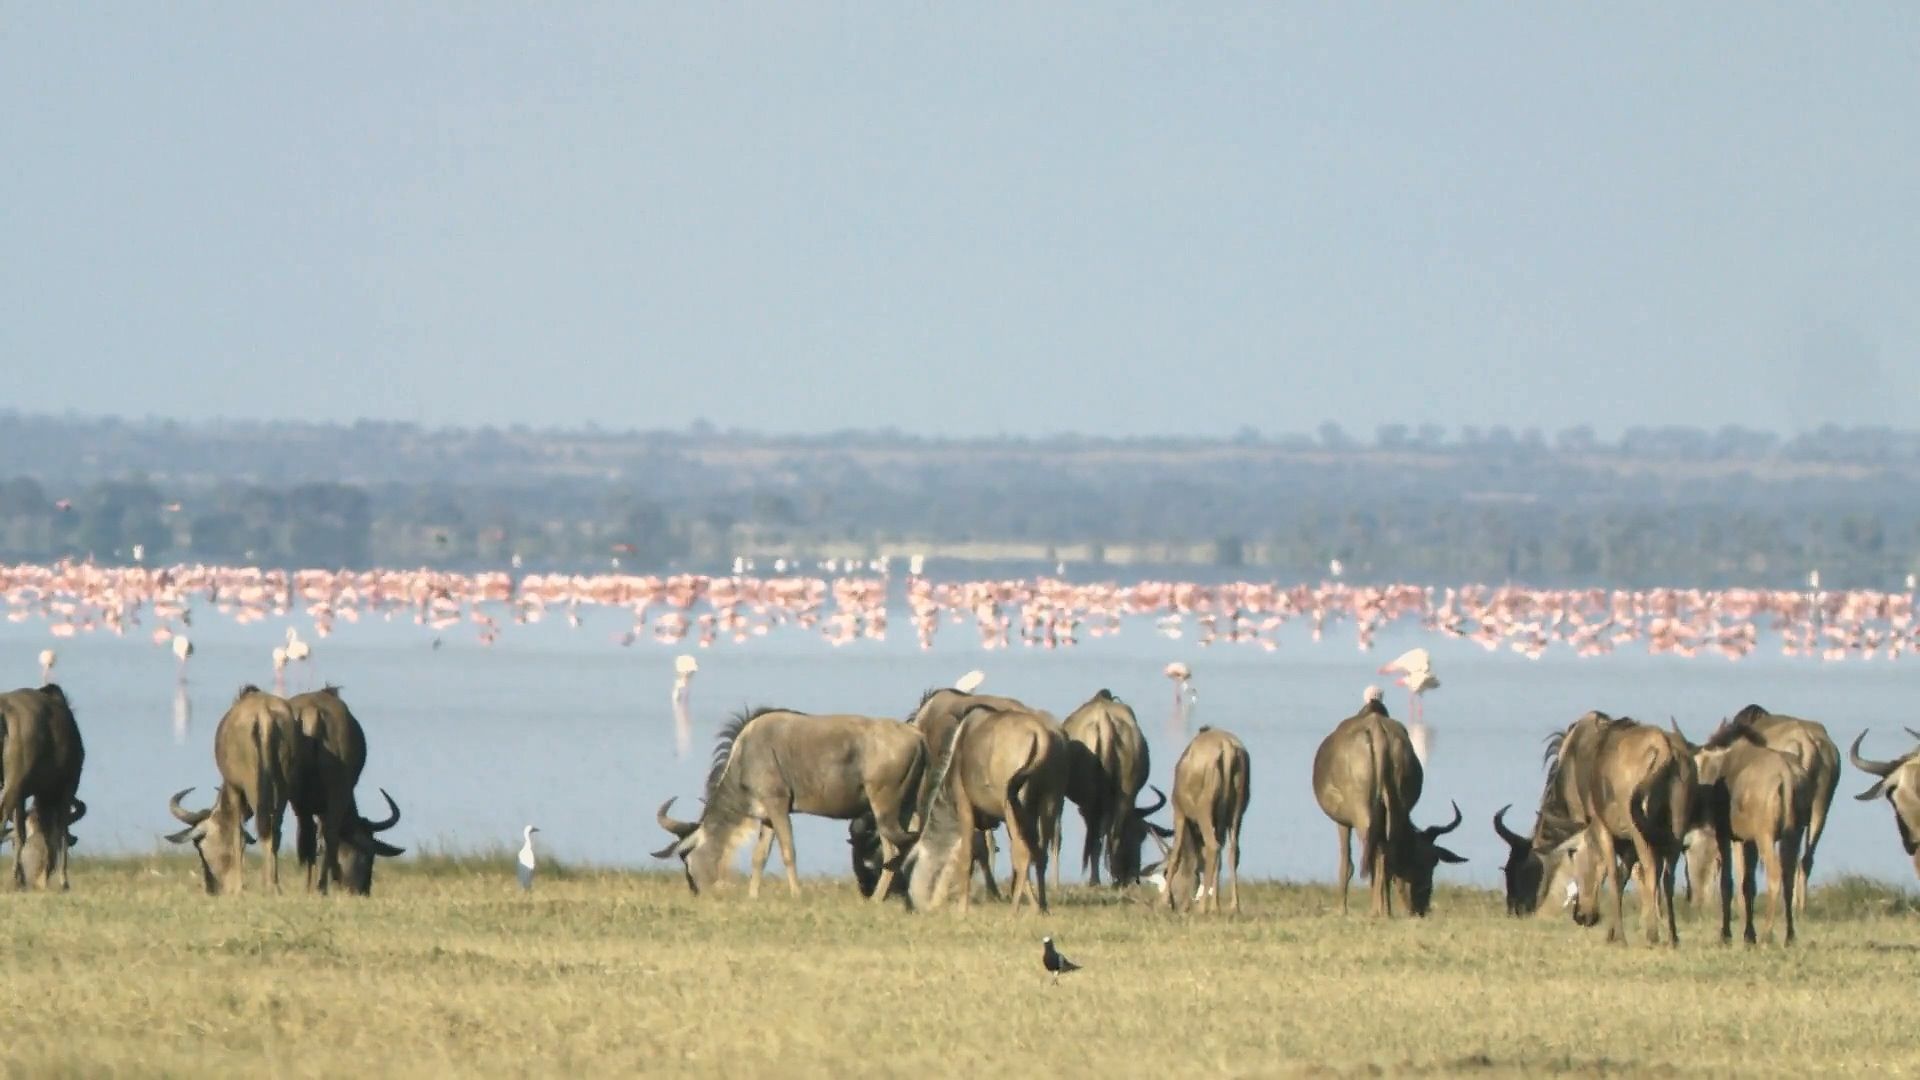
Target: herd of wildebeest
{"x": 923, "y": 798}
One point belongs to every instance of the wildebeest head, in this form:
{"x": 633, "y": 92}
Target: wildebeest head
{"x": 217, "y": 836}
{"x": 1124, "y": 861}
{"x": 1585, "y": 869}
{"x": 686, "y": 837}
{"x": 1418, "y": 855}
{"x": 360, "y": 845}
{"x": 1524, "y": 868}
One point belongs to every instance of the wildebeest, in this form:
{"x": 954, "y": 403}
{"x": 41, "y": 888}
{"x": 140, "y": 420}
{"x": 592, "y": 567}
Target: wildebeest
{"x": 259, "y": 752}
{"x": 1109, "y": 760}
{"x": 1756, "y": 803}
{"x": 1211, "y": 784}
{"x": 329, "y": 834}
{"x": 1638, "y": 788}
{"x": 1366, "y": 778}
{"x": 41, "y": 756}
{"x": 1814, "y": 749}
{"x": 1535, "y": 864}
{"x": 935, "y": 718}
{"x": 1898, "y": 781}
{"x": 771, "y": 763}
{"x": 1002, "y": 765}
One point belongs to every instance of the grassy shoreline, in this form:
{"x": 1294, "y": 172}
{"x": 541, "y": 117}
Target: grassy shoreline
{"x": 450, "y": 969}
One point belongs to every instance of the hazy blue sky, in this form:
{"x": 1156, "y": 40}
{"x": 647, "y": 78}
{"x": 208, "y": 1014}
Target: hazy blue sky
{"x": 972, "y": 219}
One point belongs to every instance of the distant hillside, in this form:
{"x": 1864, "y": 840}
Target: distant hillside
{"x": 1655, "y": 505}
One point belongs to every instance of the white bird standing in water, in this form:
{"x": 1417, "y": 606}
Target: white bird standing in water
{"x": 279, "y": 669}
{"x": 526, "y": 866}
{"x": 182, "y": 648}
{"x": 46, "y": 666}
{"x": 1414, "y": 669}
{"x": 297, "y": 650}
{"x": 1183, "y": 694}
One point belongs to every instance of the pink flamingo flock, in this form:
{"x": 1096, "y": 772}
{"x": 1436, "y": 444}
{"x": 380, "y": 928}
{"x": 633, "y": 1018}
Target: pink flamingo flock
{"x": 1046, "y": 613}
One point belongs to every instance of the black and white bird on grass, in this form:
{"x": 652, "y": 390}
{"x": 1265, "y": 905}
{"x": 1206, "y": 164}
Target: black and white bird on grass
{"x": 1056, "y": 964}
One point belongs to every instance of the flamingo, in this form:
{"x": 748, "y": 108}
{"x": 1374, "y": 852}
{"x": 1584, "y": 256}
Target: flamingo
{"x": 297, "y": 651}
{"x": 1414, "y": 669}
{"x": 280, "y": 667}
{"x": 1183, "y": 693}
{"x": 182, "y": 648}
{"x": 46, "y": 666}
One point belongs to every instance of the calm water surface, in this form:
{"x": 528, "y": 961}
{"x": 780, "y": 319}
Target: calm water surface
{"x": 567, "y": 730}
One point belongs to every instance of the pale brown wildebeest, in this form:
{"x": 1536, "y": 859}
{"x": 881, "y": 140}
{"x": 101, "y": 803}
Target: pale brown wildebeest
{"x": 1639, "y": 789}
{"x": 1211, "y": 784}
{"x": 772, "y": 763}
{"x": 1807, "y": 741}
{"x": 1756, "y": 804}
{"x": 40, "y": 759}
{"x": 935, "y": 718}
{"x": 329, "y": 834}
{"x": 1110, "y": 763}
{"x": 1536, "y": 867}
{"x": 1003, "y": 765}
{"x": 1898, "y": 781}
{"x": 1366, "y": 778}
{"x": 259, "y": 751}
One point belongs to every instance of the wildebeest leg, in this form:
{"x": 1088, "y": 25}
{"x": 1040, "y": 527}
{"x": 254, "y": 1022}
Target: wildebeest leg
{"x": 63, "y": 828}
{"x": 1382, "y": 902}
{"x": 1346, "y": 862}
{"x": 1749, "y": 859}
{"x": 1727, "y": 888}
{"x": 1790, "y": 868}
{"x": 783, "y": 831}
{"x": 982, "y": 851}
{"x": 1211, "y": 837}
{"x": 13, "y": 809}
{"x": 1770, "y": 858}
{"x": 1233, "y": 855}
{"x": 267, "y": 823}
{"x": 1047, "y": 829}
{"x": 1610, "y": 873}
{"x": 1670, "y": 869}
{"x": 762, "y": 845}
{"x": 1650, "y": 879}
{"x": 962, "y": 859}
{"x": 1096, "y": 823}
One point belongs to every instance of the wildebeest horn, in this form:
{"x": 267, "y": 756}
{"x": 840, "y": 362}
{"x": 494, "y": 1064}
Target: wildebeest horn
{"x": 1915, "y": 734}
{"x": 681, "y": 829}
{"x": 79, "y": 811}
{"x": 1867, "y": 765}
{"x": 1149, "y": 811}
{"x": 1512, "y": 838}
{"x": 191, "y": 817}
{"x": 392, "y": 820}
{"x": 1437, "y": 831}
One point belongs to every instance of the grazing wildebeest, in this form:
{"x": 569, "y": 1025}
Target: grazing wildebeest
{"x": 1898, "y": 781}
{"x": 1109, "y": 768}
{"x": 259, "y": 751}
{"x": 1756, "y": 804}
{"x": 1535, "y": 864}
{"x": 33, "y": 854}
{"x": 1003, "y": 765}
{"x": 325, "y": 813}
{"x": 1639, "y": 789}
{"x": 935, "y": 718}
{"x": 1211, "y": 784}
{"x": 1814, "y": 749}
{"x": 40, "y": 759}
{"x": 1366, "y": 778}
{"x": 771, "y": 763}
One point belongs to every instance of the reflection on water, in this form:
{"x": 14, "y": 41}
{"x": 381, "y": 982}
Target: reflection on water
{"x": 560, "y": 727}
{"x": 182, "y": 713}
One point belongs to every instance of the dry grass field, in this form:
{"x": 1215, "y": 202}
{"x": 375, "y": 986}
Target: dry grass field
{"x": 450, "y": 970}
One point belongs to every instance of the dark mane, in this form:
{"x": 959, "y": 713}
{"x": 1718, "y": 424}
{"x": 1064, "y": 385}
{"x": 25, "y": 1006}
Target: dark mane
{"x": 1555, "y": 823}
{"x": 1734, "y": 731}
{"x": 1749, "y": 714}
{"x": 729, "y": 733}
{"x": 53, "y": 691}
{"x": 924, "y": 698}
{"x": 332, "y": 689}
{"x": 1376, "y": 707}
{"x": 245, "y": 689}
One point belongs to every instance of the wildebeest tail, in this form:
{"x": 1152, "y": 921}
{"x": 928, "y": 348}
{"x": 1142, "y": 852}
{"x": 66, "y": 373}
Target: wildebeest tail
{"x": 1379, "y": 799}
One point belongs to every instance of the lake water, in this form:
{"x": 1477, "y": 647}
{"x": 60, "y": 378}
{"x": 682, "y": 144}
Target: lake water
{"x": 565, "y": 729}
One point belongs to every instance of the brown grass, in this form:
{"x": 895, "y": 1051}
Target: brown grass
{"x": 449, "y": 970}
